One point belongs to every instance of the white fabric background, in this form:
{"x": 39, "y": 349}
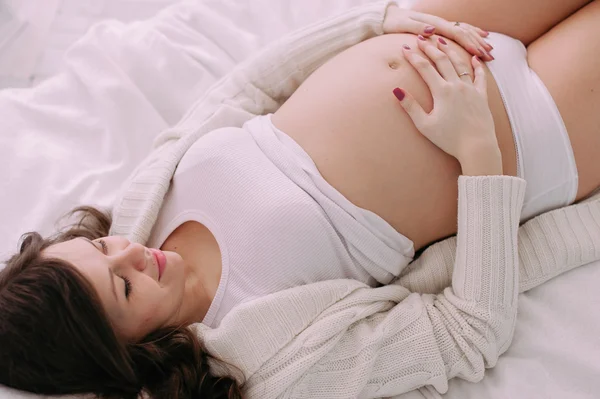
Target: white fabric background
{"x": 76, "y": 136}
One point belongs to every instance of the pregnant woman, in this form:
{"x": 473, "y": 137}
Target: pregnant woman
{"x": 543, "y": 101}
{"x": 340, "y": 176}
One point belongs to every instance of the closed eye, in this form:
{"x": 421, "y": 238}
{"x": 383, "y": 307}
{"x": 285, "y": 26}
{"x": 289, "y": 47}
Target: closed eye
{"x": 104, "y": 246}
{"x": 127, "y": 286}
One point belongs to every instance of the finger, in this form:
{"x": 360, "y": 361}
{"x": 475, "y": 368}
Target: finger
{"x": 480, "y": 76}
{"x": 479, "y": 40}
{"x": 457, "y": 62}
{"x": 429, "y": 74}
{"x": 484, "y": 47}
{"x": 459, "y": 33}
{"x": 439, "y": 58}
{"x": 442, "y": 27}
{"x": 466, "y": 41}
{"x": 477, "y": 35}
{"x": 417, "y": 27}
{"x": 485, "y": 43}
{"x": 480, "y": 51}
{"x": 480, "y": 32}
{"x": 486, "y": 56}
{"x": 411, "y": 106}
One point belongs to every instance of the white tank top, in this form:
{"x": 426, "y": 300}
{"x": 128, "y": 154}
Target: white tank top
{"x": 277, "y": 222}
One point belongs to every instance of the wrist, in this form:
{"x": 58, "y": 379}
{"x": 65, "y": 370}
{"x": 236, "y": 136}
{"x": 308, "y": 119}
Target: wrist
{"x": 387, "y": 25}
{"x": 482, "y": 161}
{"x": 392, "y": 4}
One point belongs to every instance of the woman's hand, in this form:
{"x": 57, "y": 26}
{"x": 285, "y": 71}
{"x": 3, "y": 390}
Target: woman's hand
{"x": 461, "y": 123}
{"x": 400, "y": 20}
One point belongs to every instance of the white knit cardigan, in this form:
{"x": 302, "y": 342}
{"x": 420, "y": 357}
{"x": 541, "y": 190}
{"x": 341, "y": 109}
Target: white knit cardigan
{"x": 452, "y": 312}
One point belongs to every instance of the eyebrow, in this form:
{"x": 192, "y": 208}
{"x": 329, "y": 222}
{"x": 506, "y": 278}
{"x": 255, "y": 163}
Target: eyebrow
{"x": 111, "y": 275}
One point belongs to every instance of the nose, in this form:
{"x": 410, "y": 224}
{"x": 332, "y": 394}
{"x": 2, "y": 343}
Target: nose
{"x": 133, "y": 255}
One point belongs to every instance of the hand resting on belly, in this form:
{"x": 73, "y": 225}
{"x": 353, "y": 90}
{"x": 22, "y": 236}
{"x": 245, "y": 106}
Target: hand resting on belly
{"x": 347, "y": 119}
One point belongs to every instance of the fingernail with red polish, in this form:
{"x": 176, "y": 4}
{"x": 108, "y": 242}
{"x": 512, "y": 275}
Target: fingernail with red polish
{"x": 442, "y": 41}
{"x": 406, "y": 46}
{"x": 430, "y": 29}
{"x": 421, "y": 37}
{"x": 399, "y": 93}
{"x": 488, "y": 55}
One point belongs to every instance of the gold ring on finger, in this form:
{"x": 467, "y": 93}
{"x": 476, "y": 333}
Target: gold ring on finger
{"x": 463, "y": 74}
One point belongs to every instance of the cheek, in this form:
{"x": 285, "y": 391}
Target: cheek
{"x": 158, "y": 306}
{"x": 151, "y": 317}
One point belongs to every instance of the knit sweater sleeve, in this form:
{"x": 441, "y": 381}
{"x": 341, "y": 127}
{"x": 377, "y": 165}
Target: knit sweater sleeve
{"x": 257, "y": 86}
{"x": 549, "y": 245}
{"x": 427, "y": 339}
{"x": 263, "y": 82}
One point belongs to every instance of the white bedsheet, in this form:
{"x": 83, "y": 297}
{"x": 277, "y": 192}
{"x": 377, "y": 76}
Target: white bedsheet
{"x": 74, "y": 139}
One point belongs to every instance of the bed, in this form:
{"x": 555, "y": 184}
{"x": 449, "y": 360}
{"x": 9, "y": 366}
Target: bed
{"x": 74, "y": 137}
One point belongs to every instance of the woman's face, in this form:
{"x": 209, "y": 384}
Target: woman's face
{"x": 138, "y": 295}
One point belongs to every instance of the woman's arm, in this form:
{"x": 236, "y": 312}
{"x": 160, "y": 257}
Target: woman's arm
{"x": 424, "y": 339}
{"x": 429, "y": 339}
{"x": 362, "y": 345}
{"x": 257, "y": 86}
{"x": 262, "y": 83}
{"x": 467, "y": 327}
{"x": 360, "y": 348}
{"x": 345, "y": 338}
{"x": 523, "y": 20}
{"x": 576, "y": 227}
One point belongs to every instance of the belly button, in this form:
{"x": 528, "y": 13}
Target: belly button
{"x": 393, "y": 64}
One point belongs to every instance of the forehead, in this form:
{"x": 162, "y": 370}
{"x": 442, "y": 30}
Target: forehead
{"x": 82, "y": 255}
{"x": 66, "y": 247}
{"x": 78, "y": 252}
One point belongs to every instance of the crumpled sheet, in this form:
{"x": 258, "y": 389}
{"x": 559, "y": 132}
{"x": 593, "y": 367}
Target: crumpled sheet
{"x": 76, "y": 137}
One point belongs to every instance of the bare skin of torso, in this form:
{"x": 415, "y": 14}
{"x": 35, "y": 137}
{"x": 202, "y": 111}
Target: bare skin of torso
{"x": 347, "y": 119}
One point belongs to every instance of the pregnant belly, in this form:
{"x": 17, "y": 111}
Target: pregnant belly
{"x": 347, "y": 119}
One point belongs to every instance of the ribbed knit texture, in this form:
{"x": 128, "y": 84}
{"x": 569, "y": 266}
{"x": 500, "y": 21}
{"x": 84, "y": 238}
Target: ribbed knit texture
{"x": 340, "y": 338}
{"x": 549, "y": 245}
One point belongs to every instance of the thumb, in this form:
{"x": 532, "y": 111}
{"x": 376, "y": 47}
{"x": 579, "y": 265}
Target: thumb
{"x": 419, "y": 28}
{"x": 412, "y": 107}
{"x": 408, "y": 25}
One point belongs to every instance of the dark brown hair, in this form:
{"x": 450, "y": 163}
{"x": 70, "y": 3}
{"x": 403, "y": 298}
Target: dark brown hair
{"x": 55, "y": 337}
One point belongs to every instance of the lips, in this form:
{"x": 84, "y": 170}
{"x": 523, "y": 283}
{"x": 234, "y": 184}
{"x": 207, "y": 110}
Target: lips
{"x": 161, "y": 261}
